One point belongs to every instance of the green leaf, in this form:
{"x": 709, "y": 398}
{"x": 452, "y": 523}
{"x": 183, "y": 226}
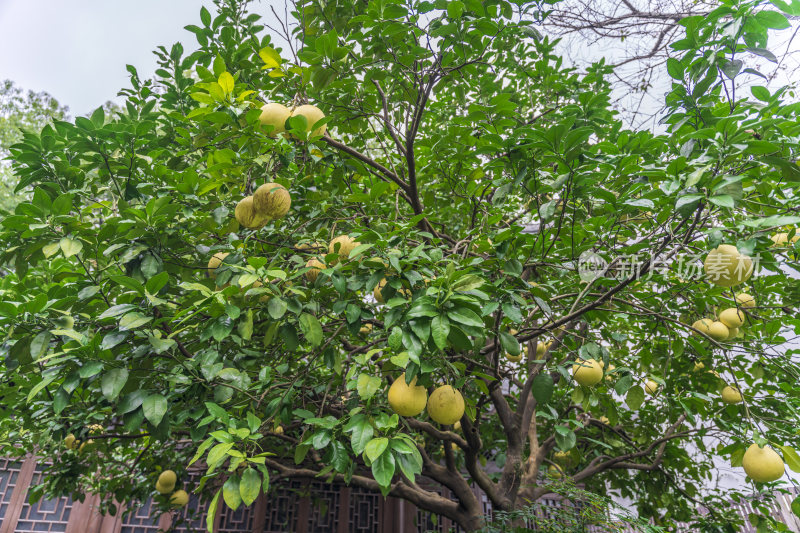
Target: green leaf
{"x": 157, "y": 282}
{"x": 465, "y": 316}
{"x": 311, "y": 328}
{"x": 623, "y": 383}
{"x": 133, "y": 320}
{"x": 226, "y": 82}
{"x": 230, "y": 492}
{"x": 762, "y": 93}
{"x": 773, "y": 20}
{"x": 361, "y": 435}
{"x": 70, "y": 247}
{"x": 383, "y": 469}
{"x": 674, "y": 68}
{"x": 112, "y": 383}
{"x": 154, "y": 408}
{"x": 249, "y": 486}
{"x": 543, "y": 387}
{"x": 376, "y": 447}
{"x": 440, "y": 329}
{"x": 565, "y": 439}
{"x": 635, "y": 398}
{"x": 509, "y": 343}
{"x": 454, "y": 9}
{"x": 276, "y": 307}
{"x": 270, "y": 57}
{"x": 160, "y": 345}
{"x": 211, "y": 515}
{"x": 40, "y": 345}
{"x": 791, "y": 458}
{"x": 367, "y": 385}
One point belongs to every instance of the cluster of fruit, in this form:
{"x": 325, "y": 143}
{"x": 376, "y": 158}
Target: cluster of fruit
{"x": 72, "y": 443}
{"x": 445, "y": 404}
{"x": 166, "y": 485}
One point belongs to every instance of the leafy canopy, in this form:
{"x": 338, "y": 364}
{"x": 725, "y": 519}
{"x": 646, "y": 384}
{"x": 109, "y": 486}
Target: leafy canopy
{"x": 477, "y": 175}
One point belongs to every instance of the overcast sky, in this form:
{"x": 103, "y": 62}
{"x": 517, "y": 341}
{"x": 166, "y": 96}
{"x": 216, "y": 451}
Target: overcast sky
{"x": 77, "y": 49}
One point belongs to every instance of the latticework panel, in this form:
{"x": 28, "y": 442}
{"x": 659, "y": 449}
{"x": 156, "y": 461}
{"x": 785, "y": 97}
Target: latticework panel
{"x": 192, "y": 518}
{"x": 364, "y": 511}
{"x": 281, "y": 512}
{"x": 45, "y": 515}
{"x": 324, "y": 515}
{"x": 142, "y": 519}
{"x": 236, "y": 521}
{"x": 427, "y": 522}
{"x": 9, "y": 471}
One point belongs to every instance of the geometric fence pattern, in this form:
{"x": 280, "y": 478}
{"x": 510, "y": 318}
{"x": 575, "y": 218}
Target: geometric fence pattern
{"x": 296, "y": 506}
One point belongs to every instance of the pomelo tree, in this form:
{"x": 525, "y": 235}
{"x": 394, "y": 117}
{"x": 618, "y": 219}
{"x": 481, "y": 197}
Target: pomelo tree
{"x": 475, "y": 219}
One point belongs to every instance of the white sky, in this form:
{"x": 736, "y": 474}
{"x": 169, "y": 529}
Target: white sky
{"x": 77, "y": 49}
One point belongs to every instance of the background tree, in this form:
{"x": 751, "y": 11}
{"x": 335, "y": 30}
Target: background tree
{"x": 20, "y": 111}
{"x": 479, "y": 181}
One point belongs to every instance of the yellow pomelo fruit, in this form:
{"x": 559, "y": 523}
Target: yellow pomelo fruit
{"x": 698, "y": 366}
{"x": 782, "y": 239}
{"x": 274, "y": 115}
{"x": 457, "y": 426}
{"x": 651, "y": 387}
{"x": 514, "y": 358}
{"x": 179, "y": 498}
{"x": 745, "y": 300}
{"x": 734, "y": 332}
{"x": 313, "y": 115}
{"x": 405, "y": 399}
{"x": 603, "y": 419}
{"x": 167, "y": 478}
{"x": 555, "y": 471}
{"x": 732, "y": 317}
{"x": 366, "y": 329}
{"x": 164, "y": 489}
{"x": 446, "y": 405}
{"x": 726, "y": 267}
{"x": 69, "y": 441}
{"x": 247, "y": 216}
{"x": 214, "y": 263}
{"x": 762, "y": 464}
{"x": 95, "y": 429}
{"x": 542, "y": 347}
{"x": 561, "y": 457}
{"x": 342, "y": 245}
{"x": 703, "y": 325}
{"x": 588, "y": 372}
{"x": 86, "y": 446}
{"x": 731, "y": 395}
{"x": 272, "y": 201}
{"x": 278, "y": 430}
{"x": 315, "y": 265}
{"x": 609, "y": 375}
{"x": 718, "y": 331}
{"x": 377, "y": 292}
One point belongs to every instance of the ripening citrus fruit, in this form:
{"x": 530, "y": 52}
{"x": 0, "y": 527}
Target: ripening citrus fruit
{"x": 272, "y": 201}
{"x": 734, "y": 332}
{"x": 698, "y": 366}
{"x": 312, "y": 115}
{"x": 651, "y": 387}
{"x": 274, "y": 115}
{"x": 731, "y": 395}
{"x": 726, "y": 267}
{"x": 246, "y": 214}
{"x": 446, "y": 405}
{"x": 407, "y": 399}
{"x": 167, "y": 479}
{"x": 69, "y": 442}
{"x": 214, "y": 263}
{"x": 718, "y": 331}
{"x": 762, "y": 464}
{"x": 179, "y": 498}
{"x": 732, "y": 317}
{"x": 782, "y": 239}
{"x": 745, "y": 300}
{"x": 316, "y": 266}
{"x": 343, "y": 245}
{"x": 588, "y": 372}
{"x": 703, "y": 325}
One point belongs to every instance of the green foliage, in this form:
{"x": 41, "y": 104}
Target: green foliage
{"x": 454, "y": 126}
{"x": 578, "y": 511}
{"x": 20, "y": 112}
